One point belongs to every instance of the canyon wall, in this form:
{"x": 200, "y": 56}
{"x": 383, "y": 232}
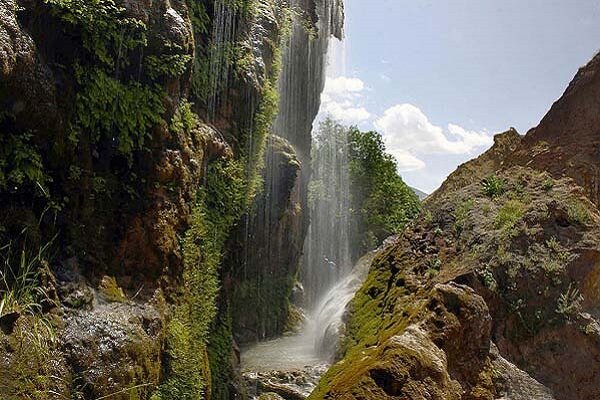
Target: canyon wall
{"x": 134, "y": 141}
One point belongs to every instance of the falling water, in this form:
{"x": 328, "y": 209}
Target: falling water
{"x": 326, "y": 325}
{"x": 327, "y": 248}
{"x": 327, "y": 256}
{"x": 223, "y": 33}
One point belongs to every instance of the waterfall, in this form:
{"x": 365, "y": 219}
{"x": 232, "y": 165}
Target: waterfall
{"x": 326, "y": 325}
{"x": 223, "y": 32}
{"x": 327, "y": 248}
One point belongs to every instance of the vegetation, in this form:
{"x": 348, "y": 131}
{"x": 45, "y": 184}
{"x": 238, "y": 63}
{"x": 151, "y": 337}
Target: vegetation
{"x": 381, "y": 200}
{"x": 509, "y": 215}
{"x": 111, "y": 291}
{"x": 22, "y": 263}
{"x": 578, "y": 213}
{"x": 218, "y": 206}
{"x": 28, "y": 372}
{"x": 569, "y": 303}
{"x": 493, "y": 186}
{"x": 21, "y": 165}
{"x": 461, "y": 215}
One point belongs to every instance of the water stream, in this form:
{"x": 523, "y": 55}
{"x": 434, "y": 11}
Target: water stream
{"x": 293, "y": 365}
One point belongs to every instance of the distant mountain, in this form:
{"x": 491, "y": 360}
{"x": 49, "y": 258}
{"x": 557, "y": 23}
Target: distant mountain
{"x": 420, "y": 194}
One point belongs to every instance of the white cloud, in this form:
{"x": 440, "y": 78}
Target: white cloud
{"x": 406, "y": 161}
{"x": 343, "y": 86}
{"x": 341, "y": 100}
{"x": 408, "y": 132}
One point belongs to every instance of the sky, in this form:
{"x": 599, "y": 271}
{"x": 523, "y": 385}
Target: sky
{"x": 439, "y": 78}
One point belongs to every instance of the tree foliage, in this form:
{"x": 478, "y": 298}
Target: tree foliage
{"x": 380, "y": 202}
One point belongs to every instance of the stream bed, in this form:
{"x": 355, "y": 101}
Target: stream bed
{"x": 291, "y": 366}
{"x": 287, "y": 366}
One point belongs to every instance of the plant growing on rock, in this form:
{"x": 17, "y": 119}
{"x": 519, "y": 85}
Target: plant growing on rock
{"x": 509, "y": 215}
{"x": 21, "y": 266}
{"x": 493, "y": 186}
{"x": 569, "y": 303}
{"x": 578, "y": 213}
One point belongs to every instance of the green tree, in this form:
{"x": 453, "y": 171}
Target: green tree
{"x": 382, "y": 203}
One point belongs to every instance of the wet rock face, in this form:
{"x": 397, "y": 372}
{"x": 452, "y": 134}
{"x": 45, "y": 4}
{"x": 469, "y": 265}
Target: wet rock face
{"x": 271, "y": 245}
{"x": 113, "y": 346}
{"x": 124, "y": 225}
{"x": 29, "y": 85}
{"x": 280, "y": 216}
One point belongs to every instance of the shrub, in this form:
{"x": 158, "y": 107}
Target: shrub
{"x": 493, "y": 186}
{"x": 117, "y": 112}
{"x": 548, "y": 184}
{"x": 21, "y": 164}
{"x": 578, "y": 213}
{"x": 509, "y": 215}
{"x": 569, "y": 303}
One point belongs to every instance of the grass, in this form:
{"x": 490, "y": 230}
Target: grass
{"x": 20, "y": 270}
{"x": 569, "y": 303}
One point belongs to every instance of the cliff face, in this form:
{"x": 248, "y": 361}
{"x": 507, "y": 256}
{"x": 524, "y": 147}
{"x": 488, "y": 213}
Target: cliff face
{"x": 493, "y": 291}
{"x": 269, "y": 242}
{"x": 567, "y": 140}
{"x": 133, "y": 137}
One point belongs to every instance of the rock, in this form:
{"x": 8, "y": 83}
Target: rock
{"x": 288, "y": 385}
{"x": 277, "y": 240}
{"x": 8, "y": 321}
{"x": 114, "y": 347}
{"x": 515, "y": 384}
{"x": 270, "y": 396}
{"x": 555, "y": 145}
{"x": 110, "y": 290}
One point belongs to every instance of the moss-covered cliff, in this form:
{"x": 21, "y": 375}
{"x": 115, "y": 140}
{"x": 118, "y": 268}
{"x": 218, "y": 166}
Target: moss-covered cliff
{"x": 132, "y": 140}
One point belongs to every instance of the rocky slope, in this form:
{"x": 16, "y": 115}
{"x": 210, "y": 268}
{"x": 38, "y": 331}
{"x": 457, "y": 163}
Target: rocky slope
{"x": 133, "y": 138}
{"x": 492, "y": 293}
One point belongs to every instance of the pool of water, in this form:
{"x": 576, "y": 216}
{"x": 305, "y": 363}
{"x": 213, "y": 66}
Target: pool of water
{"x": 288, "y": 353}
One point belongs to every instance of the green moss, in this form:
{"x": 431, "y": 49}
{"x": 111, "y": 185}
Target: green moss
{"x": 220, "y": 348}
{"x": 186, "y": 363}
{"x": 254, "y": 153}
{"x": 111, "y": 290}
{"x": 30, "y": 362}
{"x": 218, "y": 205}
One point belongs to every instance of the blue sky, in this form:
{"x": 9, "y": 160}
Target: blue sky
{"x": 439, "y": 78}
